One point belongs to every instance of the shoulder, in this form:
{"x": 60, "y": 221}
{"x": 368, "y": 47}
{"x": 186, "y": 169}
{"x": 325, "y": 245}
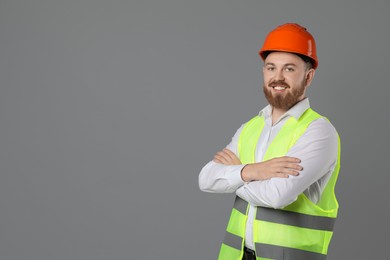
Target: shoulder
{"x": 319, "y": 123}
{"x": 322, "y": 129}
{"x": 320, "y": 140}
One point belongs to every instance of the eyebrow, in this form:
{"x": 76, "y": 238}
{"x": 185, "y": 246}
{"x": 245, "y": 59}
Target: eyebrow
{"x": 285, "y": 65}
{"x": 290, "y": 64}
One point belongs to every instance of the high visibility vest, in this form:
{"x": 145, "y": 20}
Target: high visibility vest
{"x": 299, "y": 231}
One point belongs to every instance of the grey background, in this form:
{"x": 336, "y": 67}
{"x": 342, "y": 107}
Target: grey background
{"x": 109, "y": 109}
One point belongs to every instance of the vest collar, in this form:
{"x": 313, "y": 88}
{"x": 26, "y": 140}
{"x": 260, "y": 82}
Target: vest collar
{"x": 296, "y": 111}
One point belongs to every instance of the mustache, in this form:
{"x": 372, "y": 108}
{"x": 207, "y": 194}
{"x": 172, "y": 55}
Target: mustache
{"x": 278, "y": 83}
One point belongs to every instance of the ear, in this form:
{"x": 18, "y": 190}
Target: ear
{"x": 309, "y": 77}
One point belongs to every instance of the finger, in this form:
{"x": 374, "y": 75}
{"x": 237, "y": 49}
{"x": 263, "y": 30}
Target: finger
{"x": 293, "y": 166}
{"x": 281, "y": 169}
{"x": 281, "y": 175}
{"x": 231, "y": 159}
{"x": 232, "y": 156}
{"x": 229, "y": 153}
{"x": 288, "y": 171}
{"x": 227, "y": 157}
{"x": 289, "y": 159}
{"x": 224, "y": 155}
{"x": 281, "y": 166}
{"x": 288, "y": 164}
{"x": 291, "y": 172}
{"x": 217, "y": 160}
{"x": 221, "y": 158}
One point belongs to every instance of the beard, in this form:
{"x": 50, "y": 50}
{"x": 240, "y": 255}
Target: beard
{"x": 286, "y": 100}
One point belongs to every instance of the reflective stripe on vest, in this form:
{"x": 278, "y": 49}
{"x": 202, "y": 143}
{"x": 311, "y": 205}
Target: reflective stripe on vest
{"x": 285, "y": 253}
{"x": 295, "y": 219}
{"x": 302, "y": 230}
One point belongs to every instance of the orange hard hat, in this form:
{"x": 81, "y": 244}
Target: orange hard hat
{"x": 291, "y": 37}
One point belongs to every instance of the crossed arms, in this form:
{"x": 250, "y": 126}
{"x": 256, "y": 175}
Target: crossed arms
{"x": 280, "y": 167}
{"x": 276, "y": 183}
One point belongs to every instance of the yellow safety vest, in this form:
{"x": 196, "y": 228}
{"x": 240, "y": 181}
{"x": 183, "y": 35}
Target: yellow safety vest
{"x": 301, "y": 230}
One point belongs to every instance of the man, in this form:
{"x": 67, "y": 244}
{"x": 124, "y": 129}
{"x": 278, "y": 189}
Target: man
{"x": 282, "y": 164}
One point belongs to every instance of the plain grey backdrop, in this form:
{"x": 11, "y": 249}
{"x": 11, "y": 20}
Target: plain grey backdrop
{"x": 109, "y": 110}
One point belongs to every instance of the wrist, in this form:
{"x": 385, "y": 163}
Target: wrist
{"x": 245, "y": 173}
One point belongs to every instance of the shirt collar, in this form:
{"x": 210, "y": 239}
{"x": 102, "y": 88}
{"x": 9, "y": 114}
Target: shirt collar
{"x": 296, "y": 111}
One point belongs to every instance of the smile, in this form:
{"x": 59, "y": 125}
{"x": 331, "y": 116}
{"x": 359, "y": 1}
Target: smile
{"x": 279, "y": 87}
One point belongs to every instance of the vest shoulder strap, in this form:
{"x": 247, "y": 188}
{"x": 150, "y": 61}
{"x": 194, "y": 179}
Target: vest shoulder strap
{"x": 248, "y": 139}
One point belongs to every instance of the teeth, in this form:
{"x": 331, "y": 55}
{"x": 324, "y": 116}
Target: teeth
{"x": 279, "y": 88}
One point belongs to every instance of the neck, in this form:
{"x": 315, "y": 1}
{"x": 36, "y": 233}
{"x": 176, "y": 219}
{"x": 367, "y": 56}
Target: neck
{"x": 276, "y": 114}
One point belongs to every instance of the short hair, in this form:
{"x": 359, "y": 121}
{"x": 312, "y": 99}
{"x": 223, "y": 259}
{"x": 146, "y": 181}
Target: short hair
{"x": 308, "y": 61}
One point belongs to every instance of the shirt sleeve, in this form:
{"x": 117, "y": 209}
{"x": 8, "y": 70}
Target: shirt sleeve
{"x": 219, "y": 178}
{"x": 317, "y": 148}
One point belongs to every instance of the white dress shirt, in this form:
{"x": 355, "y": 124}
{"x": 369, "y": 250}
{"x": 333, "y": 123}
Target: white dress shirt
{"x": 317, "y": 149}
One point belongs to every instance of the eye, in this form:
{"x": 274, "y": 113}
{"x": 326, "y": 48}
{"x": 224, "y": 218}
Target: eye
{"x": 270, "y": 68}
{"x": 289, "y": 69}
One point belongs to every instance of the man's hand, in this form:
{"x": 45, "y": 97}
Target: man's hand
{"x": 281, "y": 167}
{"x": 226, "y": 157}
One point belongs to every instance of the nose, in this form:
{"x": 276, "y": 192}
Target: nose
{"x": 279, "y": 75}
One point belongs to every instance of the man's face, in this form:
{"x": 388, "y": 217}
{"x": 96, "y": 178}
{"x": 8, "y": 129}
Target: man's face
{"x": 285, "y": 79}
